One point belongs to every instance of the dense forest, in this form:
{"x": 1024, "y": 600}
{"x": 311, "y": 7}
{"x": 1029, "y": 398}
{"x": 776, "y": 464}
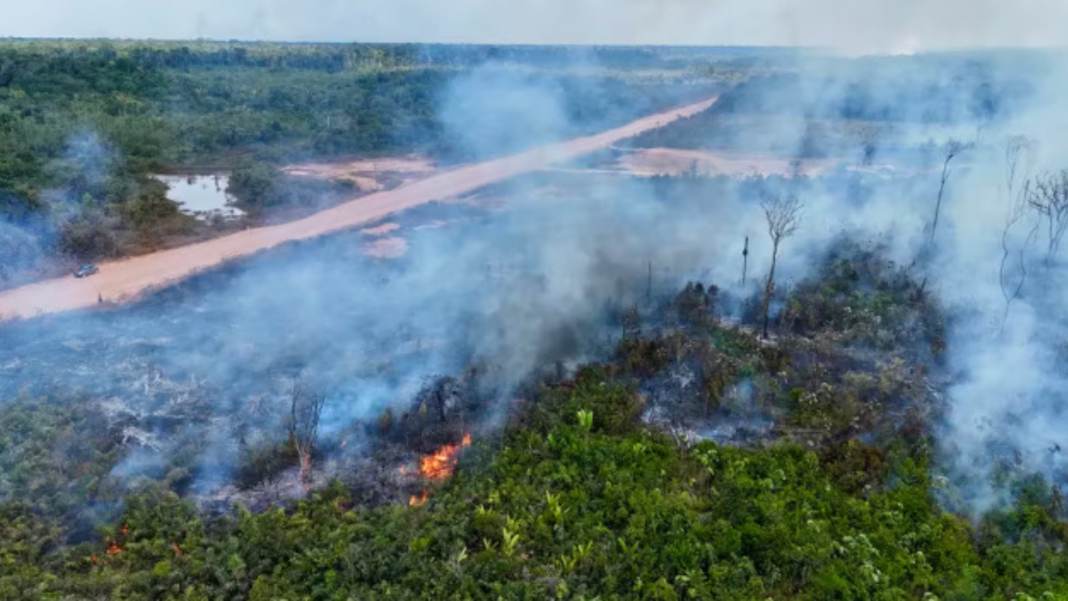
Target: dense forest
{"x": 84, "y": 124}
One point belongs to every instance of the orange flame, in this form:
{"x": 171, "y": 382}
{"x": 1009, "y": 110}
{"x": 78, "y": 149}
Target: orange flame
{"x": 436, "y": 466}
{"x": 176, "y": 548}
{"x": 114, "y": 548}
{"x": 439, "y": 465}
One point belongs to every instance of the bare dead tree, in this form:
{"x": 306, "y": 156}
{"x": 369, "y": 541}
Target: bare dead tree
{"x": 745, "y": 261}
{"x": 1019, "y": 158}
{"x": 1012, "y": 282}
{"x": 649, "y": 287}
{"x": 869, "y": 144}
{"x": 1048, "y": 196}
{"x": 784, "y": 219}
{"x": 631, "y": 323}
{"x": 305, "y": 409}
{"x": 953, "y": 149}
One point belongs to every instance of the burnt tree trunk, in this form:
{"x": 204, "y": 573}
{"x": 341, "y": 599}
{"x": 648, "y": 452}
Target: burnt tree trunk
{"x": 745, "y": 261}
{"x": 769, "y": 288}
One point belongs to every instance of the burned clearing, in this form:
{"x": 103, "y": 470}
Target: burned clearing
{"x": 194, "y": 382}
{"x": 807, "y": 343}
{"x": 193, "y": 388}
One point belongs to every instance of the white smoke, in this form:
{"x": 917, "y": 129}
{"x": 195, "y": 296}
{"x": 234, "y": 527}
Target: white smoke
{"x": 872, "y": 26}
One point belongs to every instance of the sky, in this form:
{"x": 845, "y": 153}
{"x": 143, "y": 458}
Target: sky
{"x": 859, "y": 26}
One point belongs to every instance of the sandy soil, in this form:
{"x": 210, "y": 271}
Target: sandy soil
{"x": 123, "y": 280}
{"x": 380, "y": 230}
{"x": 670, "y": 161}
{"x": 386, "y": 248}
{"x": 366, "y": 174}
{"x": 432, "y": 225}
{"x": 343, "y": 169}
{"x": 365, "y": 184}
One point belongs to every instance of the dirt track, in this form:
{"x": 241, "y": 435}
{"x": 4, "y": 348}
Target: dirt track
{"x": 123, "y": 280}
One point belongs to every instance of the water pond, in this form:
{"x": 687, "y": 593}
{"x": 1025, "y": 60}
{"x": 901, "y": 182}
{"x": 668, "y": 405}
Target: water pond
{"x": 203, "y": 196}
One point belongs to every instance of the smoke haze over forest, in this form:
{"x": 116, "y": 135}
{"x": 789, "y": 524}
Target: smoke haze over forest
{"x": 876, "y": 26}
{"x": 871, "y": 405}
{"x": 576, "y": 256}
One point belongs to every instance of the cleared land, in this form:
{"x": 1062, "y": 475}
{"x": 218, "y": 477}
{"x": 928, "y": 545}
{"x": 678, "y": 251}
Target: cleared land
{"x": 672, "y": 161}
{"x": 123, "y": 280}
{"x": 367, "y": 174}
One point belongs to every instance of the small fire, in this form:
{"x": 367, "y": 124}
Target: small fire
{"x": 176, "y": 548}
{"x": 436, "y": 466}
{"x": 114, "y": 548}
{"x": 439, "y": 465}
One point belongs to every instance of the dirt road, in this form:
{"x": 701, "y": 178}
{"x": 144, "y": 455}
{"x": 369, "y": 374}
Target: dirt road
{"x": 123, "y": 280}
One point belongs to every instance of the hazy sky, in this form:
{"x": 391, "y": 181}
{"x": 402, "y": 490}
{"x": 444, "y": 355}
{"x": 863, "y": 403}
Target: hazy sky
{"x": 853, "y": 25}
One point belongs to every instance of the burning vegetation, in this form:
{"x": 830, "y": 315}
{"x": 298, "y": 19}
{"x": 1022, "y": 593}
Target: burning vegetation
{"x": 833, "y": 412}
{"x": 440, "y": 464}
{"x": 436, "y": 466}
{"x": 649, "y": 427}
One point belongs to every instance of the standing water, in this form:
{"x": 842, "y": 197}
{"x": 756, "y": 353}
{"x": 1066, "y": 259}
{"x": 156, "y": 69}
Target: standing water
{"x": 203, "y": 196}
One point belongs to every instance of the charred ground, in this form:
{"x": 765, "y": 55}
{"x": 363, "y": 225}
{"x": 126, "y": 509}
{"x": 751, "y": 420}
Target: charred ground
{"x": 562, "y": 389}
{"x": 738, "y": 466}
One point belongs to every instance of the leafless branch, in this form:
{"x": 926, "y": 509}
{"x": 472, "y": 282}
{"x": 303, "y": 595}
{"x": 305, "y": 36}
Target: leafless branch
{"x": 305, "y": 410}
{"x": 1019, "y": 157}
{"x": 783, "y": 216}
{"x": 784, "y": 219}
{"x": 953, "y": 149}
{"x": 1047, "y": 195}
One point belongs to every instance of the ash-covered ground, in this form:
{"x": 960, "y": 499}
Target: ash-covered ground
{"x": 409, "y": 338}
{"x": 193, "y": 386}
